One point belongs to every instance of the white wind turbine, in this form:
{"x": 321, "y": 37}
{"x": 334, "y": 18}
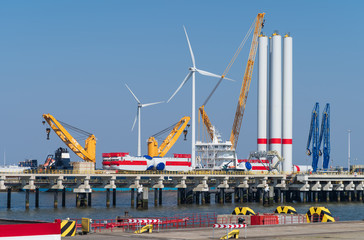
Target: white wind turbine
{"x": 192, "y": 71}
{"x": 140, "y": 105}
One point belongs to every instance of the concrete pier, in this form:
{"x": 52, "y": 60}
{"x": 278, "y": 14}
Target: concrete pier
{"x": 192, "y": 188}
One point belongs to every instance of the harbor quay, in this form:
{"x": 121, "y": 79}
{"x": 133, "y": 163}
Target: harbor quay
{"x": 337, "y": 230}
{"x": 196, "y": 187}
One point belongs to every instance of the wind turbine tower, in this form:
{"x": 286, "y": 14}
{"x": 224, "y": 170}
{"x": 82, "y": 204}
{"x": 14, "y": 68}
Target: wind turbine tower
{"x": 138, "y": 116}
{"x": 192, "y": 71}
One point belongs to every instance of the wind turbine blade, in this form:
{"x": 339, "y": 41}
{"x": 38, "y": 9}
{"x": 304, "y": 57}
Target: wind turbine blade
{"x": 135, "y": 119}
{"x": 206, "y": 73}
{"x": 189, "y": 46}
{"x": 132, "y": 93}
{"x": 180, "y": 86}
{"x": 150, "y": 104}
{"x": 232, "y": 80}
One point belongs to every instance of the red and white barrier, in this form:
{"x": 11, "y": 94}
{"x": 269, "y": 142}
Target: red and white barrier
{"x": 229, "y": 226}
{"x": 144, "y": 221}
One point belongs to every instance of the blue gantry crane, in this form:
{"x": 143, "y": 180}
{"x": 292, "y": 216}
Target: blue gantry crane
{"x": 325, "y": 136}
{"x": 317, "y": 139}
{"x": 313, "y": 137}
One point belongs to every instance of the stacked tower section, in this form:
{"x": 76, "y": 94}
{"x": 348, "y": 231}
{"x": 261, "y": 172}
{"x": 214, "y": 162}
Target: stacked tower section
{"x": 262, "y": 92}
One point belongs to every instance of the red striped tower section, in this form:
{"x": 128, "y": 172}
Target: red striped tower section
{"x": 287, "y": 104}
{"x": 262, "y": 92}
{"x": 275, "y": 110}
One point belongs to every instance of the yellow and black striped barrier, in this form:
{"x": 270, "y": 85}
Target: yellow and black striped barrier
{"x": 285, "y": 210}
{"x": 319, "y": 214}
{"x": 68, "y": 228}
{"x": 243, "y": 211}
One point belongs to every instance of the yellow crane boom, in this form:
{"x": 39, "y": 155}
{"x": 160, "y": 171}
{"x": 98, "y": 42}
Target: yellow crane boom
{"x": 87, "y": 153}
{"x": 167, "y": 144}
{"x": 206, "y": 122}
{"x": 246, "y": 82}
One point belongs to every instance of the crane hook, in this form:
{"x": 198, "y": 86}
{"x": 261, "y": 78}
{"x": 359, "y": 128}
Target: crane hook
{"x": 185, "y": 133}
{"x": 48, "y": 131}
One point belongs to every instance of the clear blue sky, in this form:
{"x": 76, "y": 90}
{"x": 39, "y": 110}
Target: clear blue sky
{"x": 72, "y": 58}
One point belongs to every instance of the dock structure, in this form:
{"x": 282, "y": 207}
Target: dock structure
{"x": 197, "y": 187}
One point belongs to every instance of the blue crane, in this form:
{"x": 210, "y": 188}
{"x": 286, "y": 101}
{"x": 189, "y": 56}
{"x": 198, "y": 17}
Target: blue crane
{"x": 314, "y": 136}
{"x": 325, "y": 135}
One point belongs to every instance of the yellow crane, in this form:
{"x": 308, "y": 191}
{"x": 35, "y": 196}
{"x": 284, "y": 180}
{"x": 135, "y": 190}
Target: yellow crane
{"x": 87, "y": 153}
{"x": 167, "y": 144}
{"x": 246, "y": 82}
{"x": 257, "y": 25}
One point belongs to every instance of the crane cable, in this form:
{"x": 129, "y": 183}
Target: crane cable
{"x": 82, "y": 134}
{"x": 227, "y": 70}
{"x": 232, "y": 60}
{"x": 239, "y": 48}
{"x": 159, "y": 134}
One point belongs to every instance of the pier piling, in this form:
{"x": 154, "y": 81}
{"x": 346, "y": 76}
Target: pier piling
{"x": 9, "y": 198}
{"x": 108, "y": 197}
{"x": 89, "y": 199}
{"x": 64, "y": 197}
{"x": 222, "y": 196}
{"x": 145, "y": 197}
{"x": 27, "y": 198}
{"x": 55, "y": 198}
{"x": 114, "y": 197}
{"x": 36, "y": 198}
{"x": 156, "y": 197}
{"x": 132, "y": 197}
{"x": 78, "y": 200}
{"x": 160, "y": 196}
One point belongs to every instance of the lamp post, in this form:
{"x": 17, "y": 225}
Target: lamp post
{"x": 349, "y": 131}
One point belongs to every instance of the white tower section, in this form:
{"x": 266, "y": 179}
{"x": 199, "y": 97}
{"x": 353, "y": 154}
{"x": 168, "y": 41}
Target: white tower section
{"x": 193, "y": 150}
{"x": 275, "y": 120}
{"x": 287, "y": 104}
{"x": 262, "y": 92}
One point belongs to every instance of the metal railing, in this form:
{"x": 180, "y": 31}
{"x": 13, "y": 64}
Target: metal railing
{"x": 97, "y": 172}
{"x": 174, "y": 173}
{"x": 192, "y": 220}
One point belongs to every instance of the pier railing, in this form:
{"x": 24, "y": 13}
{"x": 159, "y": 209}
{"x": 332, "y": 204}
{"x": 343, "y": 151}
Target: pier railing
{"x": 101, "y": 172}
{"x": 189, "y": 220}
{"x": 171, "y": 173}
{"x": 194, "y": 220}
